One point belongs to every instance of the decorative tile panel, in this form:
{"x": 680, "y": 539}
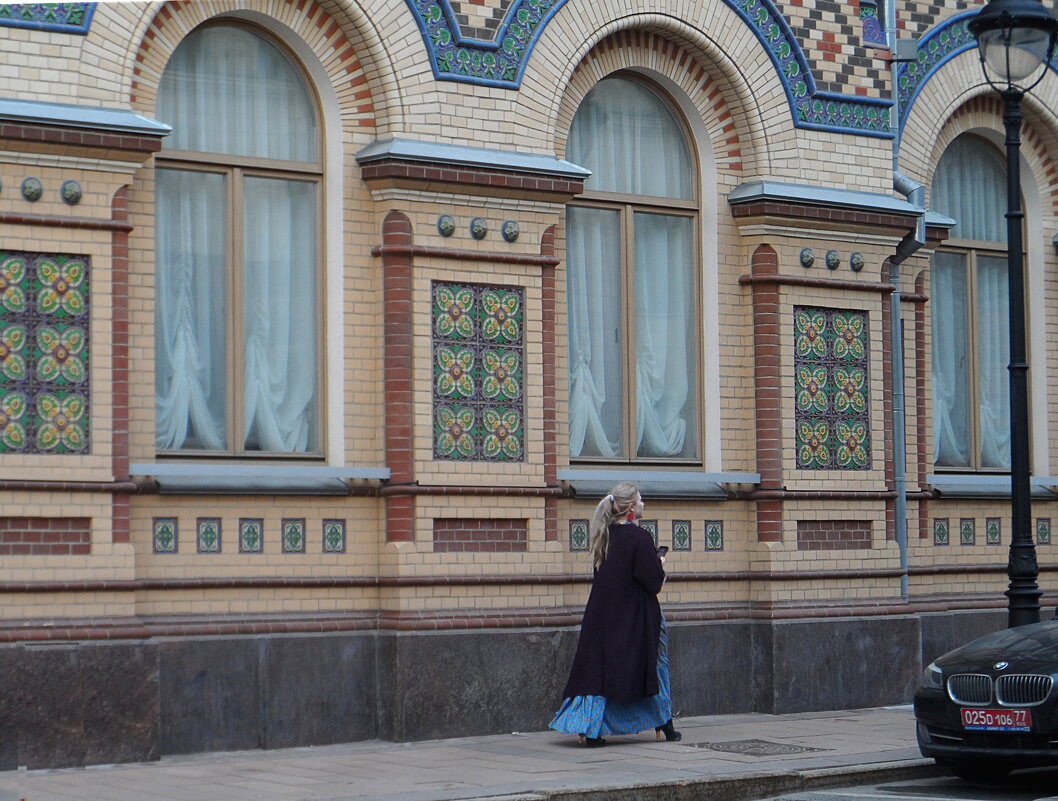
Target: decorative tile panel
{"x": 251, "y": 535}
{"x": 1043, "y": 531}
{"x": 165, "y": 535}
{"x": 681, "y": 535}
{"x": 993, "y": 531}
{"x": 940, "y": 531}
{"x": 714, "y": 535}
{"x": 293, "y": 535}
{"x": 478, "y": 373}
{"x": 334, "y": 536}
{"x": 44, "y": 365}
{"x": 831, "y": 375}
{"x": 873, "y": 33}
{"x": 967, "y": 531}
{"x": 579, "y": 536}
{"x": 60, "y": 17}
{"x": 208, "y": 534}
{"x": 652, "y": 527}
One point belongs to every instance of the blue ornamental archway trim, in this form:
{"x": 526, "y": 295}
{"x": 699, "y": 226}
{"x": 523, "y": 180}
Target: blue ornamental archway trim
{"x": 501, "y": 62}
{"x": 72, "y": 18}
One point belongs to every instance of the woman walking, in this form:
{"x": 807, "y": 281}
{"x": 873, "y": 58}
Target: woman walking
{"x": 619, "y": 682}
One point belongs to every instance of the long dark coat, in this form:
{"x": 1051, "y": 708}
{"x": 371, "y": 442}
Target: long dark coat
{"x": 618, "y": 648}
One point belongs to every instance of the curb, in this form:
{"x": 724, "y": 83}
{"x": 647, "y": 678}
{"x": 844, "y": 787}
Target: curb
{"x": 743, "y": 786}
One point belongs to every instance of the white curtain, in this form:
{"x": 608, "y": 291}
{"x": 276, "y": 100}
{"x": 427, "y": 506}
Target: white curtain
{"x": 993, "y": 356}
{"x": 228, "y": 90}
{"x": 665, "y": 339}
{"x": 191, "y": 371}
{"x": 970, "y": 187}
{"x": 279, "y": 310}
{"x": 951, "y": 379}
{"x": 631, "y": 141}
{"x": 593, "y": 270}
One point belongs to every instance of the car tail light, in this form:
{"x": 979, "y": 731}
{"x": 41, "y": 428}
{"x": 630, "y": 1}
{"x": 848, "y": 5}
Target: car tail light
{"x": 970, "y": 688}
{"x": 1022, "y": 689}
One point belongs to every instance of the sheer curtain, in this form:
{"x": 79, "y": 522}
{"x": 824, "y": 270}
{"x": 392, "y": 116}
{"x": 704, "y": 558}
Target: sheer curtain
{"x": 596, "y": 394}
{"x": 228, "y": 91}
{"x": 951, "y": 378}
{"x": 665, "y": 341}
{"x": 970, "y": 187}
{"x": 190, "y": 368}
{"x": 628, "y": 137}
{"x": 279, "y": 292}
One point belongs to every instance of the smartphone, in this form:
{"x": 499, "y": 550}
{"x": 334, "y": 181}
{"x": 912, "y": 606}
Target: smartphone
{"x": 662, "y": 550}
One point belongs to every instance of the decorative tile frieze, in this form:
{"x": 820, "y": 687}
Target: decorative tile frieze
{"x": 334, "y": 536}
{"x": 714, "y": 535}
{"x": 72, "y": 18}
{"x": 165, "y": 535}
{"x": 940, "y": 531}
{"x": 208, "y": 534}
{"x": 478, "y": 373}
{"x": 831, "y": 373}
{"x": 1043, "y": 531}
{"x": 44, "y": 354}
{"x": 681, "y": 535}
{"x": 993, "y": 531}
{"x": 251, "y": 535}
{"x": 579, "y": 537}
{"x": 293, "y": 535}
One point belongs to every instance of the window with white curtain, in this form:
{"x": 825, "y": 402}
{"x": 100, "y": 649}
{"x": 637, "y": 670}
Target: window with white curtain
{"x": 237, "y": 306}
{"x": 633, "y": 293}
{"x": 971, "y": 344}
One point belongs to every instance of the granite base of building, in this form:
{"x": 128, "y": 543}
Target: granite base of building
{"x": 72, "y": 704}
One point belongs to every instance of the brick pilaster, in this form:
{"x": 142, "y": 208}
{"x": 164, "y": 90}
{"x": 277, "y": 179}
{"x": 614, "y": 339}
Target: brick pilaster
{"x": 767, "y": 344}
{"x": 119, "y": 376}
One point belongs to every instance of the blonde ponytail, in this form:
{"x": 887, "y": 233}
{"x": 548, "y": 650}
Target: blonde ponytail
{"x": 621, "y": 498}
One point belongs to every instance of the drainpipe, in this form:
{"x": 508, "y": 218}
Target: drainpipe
{"x": 912, "y": 241}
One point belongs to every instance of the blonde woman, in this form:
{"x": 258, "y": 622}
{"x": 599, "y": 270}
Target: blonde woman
{"x": 619, "y": 682}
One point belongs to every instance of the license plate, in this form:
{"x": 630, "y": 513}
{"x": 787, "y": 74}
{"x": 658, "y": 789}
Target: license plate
{"x": 997, "y": 719}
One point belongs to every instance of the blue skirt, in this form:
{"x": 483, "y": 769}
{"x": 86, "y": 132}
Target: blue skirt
{"x": 594, "y": 716}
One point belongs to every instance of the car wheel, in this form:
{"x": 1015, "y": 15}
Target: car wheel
{"x": 977, "y": 770}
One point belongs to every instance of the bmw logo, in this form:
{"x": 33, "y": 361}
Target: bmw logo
{"x": 1001, "y": 665}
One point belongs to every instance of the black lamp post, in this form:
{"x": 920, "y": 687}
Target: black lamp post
{"x": 1016, "y": 40}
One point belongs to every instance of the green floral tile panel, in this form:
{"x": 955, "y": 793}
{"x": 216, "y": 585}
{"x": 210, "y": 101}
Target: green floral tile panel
{"x": 478, "y": 372}
{"x": 44, "y": 354}
{"x": 579, "y": 538}
{"x": 1043, "y": 531}
{"x": 831, "y": 393}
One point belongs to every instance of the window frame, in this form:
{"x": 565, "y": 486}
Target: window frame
{"x": 627, "y": 206}
{"x": 236, "y": 169}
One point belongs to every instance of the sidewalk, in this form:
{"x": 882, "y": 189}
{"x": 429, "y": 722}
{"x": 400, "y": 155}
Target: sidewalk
{"x": 722, "y": 757}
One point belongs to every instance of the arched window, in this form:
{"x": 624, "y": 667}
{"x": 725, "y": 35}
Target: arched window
{"x": 237, "y": 319}
{"x": 971, "y": 342}
{"x": 632, "y": 285}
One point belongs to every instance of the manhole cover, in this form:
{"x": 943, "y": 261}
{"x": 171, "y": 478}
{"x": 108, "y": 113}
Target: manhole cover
{"x": 759, "y": 748}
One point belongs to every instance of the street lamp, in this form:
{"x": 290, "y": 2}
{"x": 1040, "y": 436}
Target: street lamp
{"x": 1016, "y": 41}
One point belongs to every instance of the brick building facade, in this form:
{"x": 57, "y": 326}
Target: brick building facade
{"x": 324, "y": 326}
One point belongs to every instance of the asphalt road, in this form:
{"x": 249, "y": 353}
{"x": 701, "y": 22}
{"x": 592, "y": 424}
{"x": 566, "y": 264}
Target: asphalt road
{"x": 1040, "y": 785}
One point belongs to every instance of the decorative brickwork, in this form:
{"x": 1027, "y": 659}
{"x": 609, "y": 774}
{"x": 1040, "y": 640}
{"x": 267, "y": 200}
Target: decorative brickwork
{"x": 480, "y": 534}
{"x": 831, "y": 374}
{"x": 833, "y": 535}
{"x": 478, "y": 373}
{"x": 45, "y": 536}
{"x": 44, "y": 325}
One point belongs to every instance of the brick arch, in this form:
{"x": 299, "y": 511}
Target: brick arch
{"x": 658, "y": 53}
{"x": 365, "y": 95}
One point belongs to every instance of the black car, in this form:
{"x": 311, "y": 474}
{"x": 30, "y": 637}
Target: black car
{"x": 992, "y": 706}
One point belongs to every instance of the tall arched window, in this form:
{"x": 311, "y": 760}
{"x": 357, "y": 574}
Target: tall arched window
{"x": 632, "y": 286}
{"x": 237, "y": 249}
{"x": 971, "y": 340}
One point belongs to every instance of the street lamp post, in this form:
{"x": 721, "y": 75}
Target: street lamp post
{"x": 1016, "y": 40}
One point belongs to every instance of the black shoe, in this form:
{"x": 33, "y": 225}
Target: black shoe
{"x": 669, "y": 731}
{"x": 594, "y": 742}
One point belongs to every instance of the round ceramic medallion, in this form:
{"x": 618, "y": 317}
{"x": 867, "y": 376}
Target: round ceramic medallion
{"x": 446, "y": 225}
{"x": 71, "y": 193}
{"x": 833, "y": 259}
{"x": 808, "y": 258}
{"x": 510, "y": 230}
{"x": 32, "y": 189}
{"x": 478, "y": 228}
